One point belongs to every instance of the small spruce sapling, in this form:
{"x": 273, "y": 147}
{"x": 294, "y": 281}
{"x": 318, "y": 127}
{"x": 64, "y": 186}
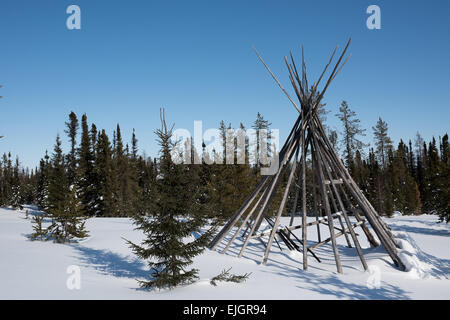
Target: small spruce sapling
{"x": 227, "y": 277}
{"x": 170, "y": 222}
{"x": 40, "y": 233}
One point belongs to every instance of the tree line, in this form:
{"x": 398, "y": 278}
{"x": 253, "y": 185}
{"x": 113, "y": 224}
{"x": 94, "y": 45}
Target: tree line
{"x": 109, "y": 178}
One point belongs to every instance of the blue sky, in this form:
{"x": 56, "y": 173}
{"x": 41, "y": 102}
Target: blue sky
{"x": 195, "y": 59}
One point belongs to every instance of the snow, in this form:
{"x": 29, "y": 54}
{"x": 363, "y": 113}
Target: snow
{"x": 108, "y": 268}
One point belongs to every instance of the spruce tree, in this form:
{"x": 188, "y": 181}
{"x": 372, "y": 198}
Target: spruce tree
{"x": 403, "y": 187}
{"x": 43, "y": 182}
{"x": 146, "y": 177}
{"x": 432, "y": 178}
{"x": 382, "y": 140}
{"x": 170, "y": 224}
{"x": 350, "y": 134}
{"x": 85, "y": 181}
{"x": 443, "y": 206}
{"x": 126, "y": 198}
{"x": 71, "y": 131}
{"x": 63, "y": 205}
{"x": 361, "y": 174}
{"x": 230, "y": 183}
{"x": 221, "y": 185}
{"x": 259, "y": 125}
{"x": 411, "y": 161}
{"x": 7, "y": 179}
{"x": 105, "y": 203}
{"x": 58, "y": 186}
{"x": 379, "y": 195}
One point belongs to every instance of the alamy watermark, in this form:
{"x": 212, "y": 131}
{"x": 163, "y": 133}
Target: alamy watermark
{"x": 374, "y": 20}
{"x": 73, "y": 22}
{"x": 227, "y": 146}
{"x": 74, "y": 280}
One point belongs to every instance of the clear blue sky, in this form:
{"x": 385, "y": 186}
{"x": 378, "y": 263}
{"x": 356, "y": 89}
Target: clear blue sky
{"x": 195, "y": 59}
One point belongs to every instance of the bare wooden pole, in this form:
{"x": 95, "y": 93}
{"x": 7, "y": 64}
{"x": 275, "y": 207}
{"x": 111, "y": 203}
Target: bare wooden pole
{"x": 276, "y": 80}
{"x": 369, "y": 235}
{"x": 244, "y": 222}
{"x": 336, "y": 208}
{"x": 340, "y": 233}
{"x": 370, "y": 213}
{"x": 260, "y": 211}
{"x": 305, "y": 256}
{"x": 273, "y": 184}
{"x": 301, "y": 242}
{"x": 347, "y": 220}
{"x": 294, "y": 208}
{"x": 296, "y": 136}
{"x": 327, "y": 206}
{"x": 297, "y": 192}
{"x": 373, "y": 242}
{"x": 230, "y": 224}
{"x": 314, "y": 192}
{"x": 281, "y": 208}
{"x": 368, "y": 210}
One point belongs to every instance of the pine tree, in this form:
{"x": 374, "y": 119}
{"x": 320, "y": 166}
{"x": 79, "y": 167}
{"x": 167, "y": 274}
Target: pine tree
{"x": 351, "y": 131}
{"x": 432, "y": 178}
{"x": 16, "y": 192}
{"x": 71, "y": 131}
{"x": 125, "y": 196}
{"x": 73, "y": 222}
{"x": 58, "y": 187}
{"x": 403, "y": 187}
{"x": 361, "y": 174}
{"x": 146, "y": 177}
{"x": 63, "y": 205}
{"x": 7, "y": 179}
{"x": 171, "y": 222}
{"x": 411, "y": 161}
{"x": 382, "y": 140}
{"x": 259, "y": 126}
{"x": 134, "y": 174}
{"x": 105, "y": 204}
{"x": 379, "y": 192}
{"x": 134, "y": 146}
{"x": 43, "y": 182}
{"x": 230, "y": 183}
{"x": 443, "y": 206}
{"x": 333, "y": 137}
{"x": 85, "y": 186}
{"x": 94, "y": 134}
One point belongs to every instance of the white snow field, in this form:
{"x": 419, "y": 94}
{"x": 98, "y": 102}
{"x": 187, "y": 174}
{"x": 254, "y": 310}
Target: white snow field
{"x": 108, "y": 269}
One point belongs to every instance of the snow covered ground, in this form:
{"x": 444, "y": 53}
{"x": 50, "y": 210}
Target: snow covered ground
{"x": 39, "y": 270}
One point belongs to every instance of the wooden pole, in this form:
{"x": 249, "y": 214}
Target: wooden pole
{"x": 368, "y": 210}
{"x": 282, "y": 205}
{"x": 230, "y": 224}
{"x": 333, "y": 201}
{"x": 294, "y": 208}
{"x": 373, "y": 242}
{"x": 326, "y": 205}
{"x": 347, "y": 220}
{"x": 273, "y": 184}
{"x": 314, "y": 187}
{"x": 340, "y": 233}
{"x": 245, "y": 222}
{"x": 304, "y": 236}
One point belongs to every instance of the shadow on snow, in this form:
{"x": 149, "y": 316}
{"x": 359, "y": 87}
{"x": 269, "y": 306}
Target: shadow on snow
{"x": 111, "y": 263}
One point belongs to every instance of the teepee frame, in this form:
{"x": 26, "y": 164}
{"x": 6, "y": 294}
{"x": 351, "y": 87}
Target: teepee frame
{"x": 333, "y": 188}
